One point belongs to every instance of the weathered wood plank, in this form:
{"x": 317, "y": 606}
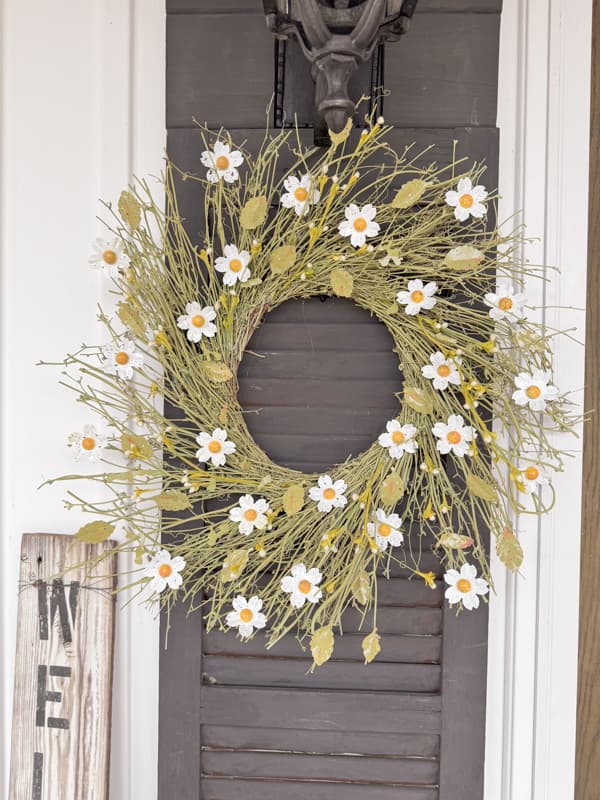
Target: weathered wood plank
{"x": 300, "y": 766}
{"x": 321, "y": 710}
{"x": 63, "y": 670}
{"x": 325, "y": 742}
{"x": 335, "y": 674}
{"x": 232, "y": 789}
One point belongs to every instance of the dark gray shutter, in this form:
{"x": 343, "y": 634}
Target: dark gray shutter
{"x": 240, "y": 722}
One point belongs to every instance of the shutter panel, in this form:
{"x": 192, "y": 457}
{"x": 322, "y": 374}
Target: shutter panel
{"x": 239, "y": 721}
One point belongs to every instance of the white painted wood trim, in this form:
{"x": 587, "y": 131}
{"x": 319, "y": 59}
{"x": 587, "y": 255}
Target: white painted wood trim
{"x": 543, "y": 116}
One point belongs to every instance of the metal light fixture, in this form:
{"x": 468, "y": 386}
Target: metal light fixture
{"x": 337, "y": 36}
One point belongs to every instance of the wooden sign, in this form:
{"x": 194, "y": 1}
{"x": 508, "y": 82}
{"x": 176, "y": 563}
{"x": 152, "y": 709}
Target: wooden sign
{"x": 63, "y": 671}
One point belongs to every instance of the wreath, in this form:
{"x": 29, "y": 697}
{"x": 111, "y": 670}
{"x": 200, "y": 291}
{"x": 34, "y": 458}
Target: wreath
{"x": 208, "y": 517}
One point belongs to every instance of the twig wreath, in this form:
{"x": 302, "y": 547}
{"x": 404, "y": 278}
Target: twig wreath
{"x": 276, "y": 548}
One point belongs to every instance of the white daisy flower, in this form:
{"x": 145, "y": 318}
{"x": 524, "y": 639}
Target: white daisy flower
{"x": 88, "y": 443}
{"x": 300, "y": 194}
{"x": 328, "y": 494}
{"x": 465, "y": 586}
{"x": 222, "y": 162}
{"x": 197, "y": 321}
{"x": 534, "y": 390}
{"x": 302, "y": 585}
{"x": 121, "y": 358}
{"x": 386, "y": 529}
{"x": 246, "y": 615}
{"x": 532, "y": 478}
{"x": 442, "y": 371}
{"x": 233, "y": 265}
{"x": 399, "y": 439}
{"x": 453, "y": 436}
{"x": 418, "y": 297}
{"x": 164, "y": 571}
{"x": 359, "y": 224}
{"x": 250, "y": 514}
{"x": 214, "y": 447}
{"x": 468, "y": 200}
{"x": 108, "y": 256}
{"x": 505, "y": 303}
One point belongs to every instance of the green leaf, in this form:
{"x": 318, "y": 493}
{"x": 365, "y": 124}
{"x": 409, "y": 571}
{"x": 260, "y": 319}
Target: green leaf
{"x": 217, "y": 371}
{"x": 95, "y": 532}
{"x": 173, "y": 501}
{"x": 321, "y": 645}
{"x": 135, "y": 446}
{"x": 361, "y": 588}
{"x": 417, "y": 400}
{"x": 282, "y": 259}
{"x": 464, "y": 257}
{"x": 293, "y": 499}
{"x": 509, "y": 550}
{"x": 480, "y": 488}
{"x": 130, "y": 317}
{"x": 254, "y": 213}
{"x": 391, "y": 489}
{"x": 129, "y": 209}
{"x": 371, "y": 646}
{"x": 409, "y": 193}
{"x": 342, "y": 282}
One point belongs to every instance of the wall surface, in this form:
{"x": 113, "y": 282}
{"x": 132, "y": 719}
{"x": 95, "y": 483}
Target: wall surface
{"x": 83, "y": 98}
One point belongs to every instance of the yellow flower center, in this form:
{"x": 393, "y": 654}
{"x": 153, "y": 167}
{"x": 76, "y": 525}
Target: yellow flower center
{"x": 533, "y": 392}
{"x": 360, "y": 224}
{"x": 122, "y": 358}
{"x": 250, "y": 515}
{"x": 329, "y": 493}
{"x": 246, "y": 615}
{"x": 214, "y": 446}
{"x": 235, "y": 265}
{"x": 304, "y": 586}
{"x": 463, "y": 585}
{"x": 417, "y": 296}
{"x": 222, "y": 162}
{"x": 165, "y": 570}
{"x": 505, "y": 304}
{"x": 443, "y": 370}
{"x": 301, "y": 194}
{"x": 531, "y": 473}
{"x": 454, "y": 437}
{"x": 88, "y": 443}
{"x": 466, "y": 200}
{"x": 109, "y": 257}
{"x": 384, "y": 530}
{"x": 198, "y": 320}
{"x": 398, "y": 437}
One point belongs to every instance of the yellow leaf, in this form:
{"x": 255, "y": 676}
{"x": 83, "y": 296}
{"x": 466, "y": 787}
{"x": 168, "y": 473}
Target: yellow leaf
{"x": 282, "y": 259}
{"x": 455, "y": 540}
{"x": 371, "y": 646}
{"x": 417, "y": 400}
{"x": 464, "y": 257}
{"x": 340, "y": 138}
{"x": 95, "y": 532}
{"x": 217, "y": 371}
{"x": 480, "y": 488}
{"x": 361, "y": 588}
{"x": 321, "y": 645}
{"x": 293, "y": 499}
{"x": 129, "y": 209}
{"x": 135, "y": 446}
{"x": 223, "y": 414}
{"x": 173, "y": 501}
{"x": 254, "y": 213}
{"x": 409, "y": 193}
{"x": 234, "y": 565}
{"x": 342, "y": 282}
{"x": 130, "y": 317}
{"x": 391, "y": 489}
{"x": 509, "y": 550}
